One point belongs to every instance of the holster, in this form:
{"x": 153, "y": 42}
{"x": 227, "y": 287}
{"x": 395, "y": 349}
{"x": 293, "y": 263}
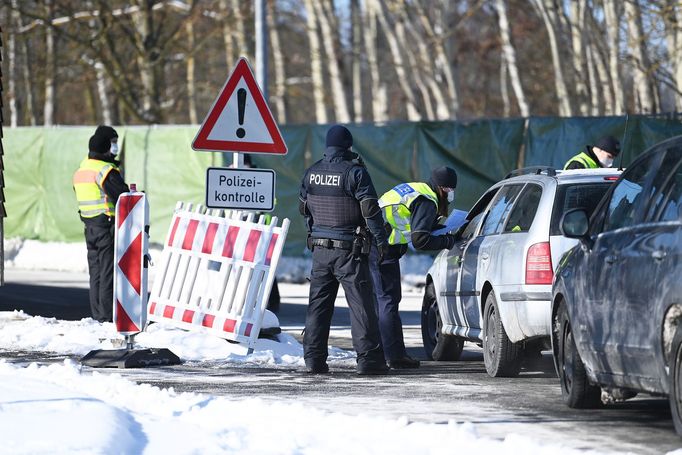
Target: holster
{"x": 361, "y": 242}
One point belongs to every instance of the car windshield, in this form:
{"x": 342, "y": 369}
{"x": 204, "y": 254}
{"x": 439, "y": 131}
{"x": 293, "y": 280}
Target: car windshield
{"x": 585, "y": 196}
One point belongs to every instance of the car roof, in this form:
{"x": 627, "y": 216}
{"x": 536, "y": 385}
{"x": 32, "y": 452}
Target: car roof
{"x": 567, "y": 176}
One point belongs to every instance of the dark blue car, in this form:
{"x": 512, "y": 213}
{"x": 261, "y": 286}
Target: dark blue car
{"x": 617, "y": 296}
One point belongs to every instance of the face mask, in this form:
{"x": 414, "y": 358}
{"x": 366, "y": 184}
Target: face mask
{"x": 451, "y": 197}
{"x": 606, "y": 162}
{"x": 114, "y": 149}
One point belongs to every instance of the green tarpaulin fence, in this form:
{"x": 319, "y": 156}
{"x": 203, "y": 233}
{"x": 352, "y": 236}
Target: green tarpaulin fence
{"x": 39, "y": 163}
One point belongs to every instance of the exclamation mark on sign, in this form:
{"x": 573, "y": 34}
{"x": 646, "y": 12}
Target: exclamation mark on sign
{"x": 241, "y": 104}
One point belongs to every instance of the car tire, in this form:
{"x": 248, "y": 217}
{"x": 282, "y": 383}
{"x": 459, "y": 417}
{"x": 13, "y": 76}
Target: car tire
{"x": 576, "y": 389}
{"x": 675, "y": 380}
{"x": 436, "y": 345}
{"x": 501, "y": 357}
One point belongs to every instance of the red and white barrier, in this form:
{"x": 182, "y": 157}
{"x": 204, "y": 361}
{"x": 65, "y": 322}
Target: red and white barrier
{"x": 216, "y": 272}
{"x": 131, "y": 242}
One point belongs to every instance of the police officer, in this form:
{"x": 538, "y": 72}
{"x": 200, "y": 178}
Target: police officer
{"x": 602, "y": 154}
{"x": 412, "y": 211}
{"x": 339, "y": 203}
{"x": 98, "y": 184}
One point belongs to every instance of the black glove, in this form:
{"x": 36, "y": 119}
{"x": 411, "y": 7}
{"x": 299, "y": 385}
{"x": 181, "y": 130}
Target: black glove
{"x": 383, "y": 251}
{"x": 451, "y": 239}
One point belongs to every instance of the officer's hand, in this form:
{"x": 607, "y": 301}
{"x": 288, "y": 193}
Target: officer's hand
{"x": 383, "y": 251}
{"x": 451, "y": 239}
{"x": 309, "y": 242}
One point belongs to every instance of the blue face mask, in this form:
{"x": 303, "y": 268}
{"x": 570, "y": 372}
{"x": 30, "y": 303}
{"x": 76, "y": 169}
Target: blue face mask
{"x": 451, "y": 197}
{"x": 114, "y": 149}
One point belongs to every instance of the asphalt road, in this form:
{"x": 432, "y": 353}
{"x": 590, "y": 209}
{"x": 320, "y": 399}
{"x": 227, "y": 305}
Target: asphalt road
{"x": 438, "y": 392}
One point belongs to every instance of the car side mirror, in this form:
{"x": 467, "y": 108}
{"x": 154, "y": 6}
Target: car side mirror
{"x": 575, "y": 224}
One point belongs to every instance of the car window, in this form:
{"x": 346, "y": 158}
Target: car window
{"x": 627, "y": 197}
{"x": 671, "y": 207}
{"x": 500, "y": 208}
{"x": 661, "y": 179}
{"x": 471, "y": 227}
{"x": 571, "y": 196}
{"x": 523, "y": 213}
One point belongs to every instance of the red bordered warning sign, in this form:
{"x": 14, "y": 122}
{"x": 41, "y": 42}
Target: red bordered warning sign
{"x": 240, "y": 119}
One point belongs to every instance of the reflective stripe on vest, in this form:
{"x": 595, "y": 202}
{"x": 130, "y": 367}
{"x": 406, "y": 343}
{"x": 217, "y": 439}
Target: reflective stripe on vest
{"x": 87, "y": 182}
{"x": 395, "y": 205}
{"x": 584, "y": 159}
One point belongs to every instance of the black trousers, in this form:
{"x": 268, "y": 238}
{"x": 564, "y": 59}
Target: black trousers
{"x": 386, "y": 280}
{"x": 99, "y": 239}
{"x": 331, "y": 267}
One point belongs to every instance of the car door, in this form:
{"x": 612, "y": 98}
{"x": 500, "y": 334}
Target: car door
{"x": 455, "y": 313}
{"x": 476, "y": 258}
{"x": 605, "y": 314}
{"x": 642, "y": 249}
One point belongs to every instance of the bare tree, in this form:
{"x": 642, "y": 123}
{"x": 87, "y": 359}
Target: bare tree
{"x": 329, "y": 34}
{"x": 509, "y": 60}
{"x": 191, "y": 82}
{"x": 612, "y": 22}
{"x": 50, "y": 68}
{"x": 546, "y": 9}
{"x": 577, "y": 24}
{"x": 315, "y": 62}
{"x": 640, "y": 64}
{"x": 379, "y": 101}
{"x": 356, "y": 59}
{"x": 12, "y": 69}
{"x": 278, "y": 58}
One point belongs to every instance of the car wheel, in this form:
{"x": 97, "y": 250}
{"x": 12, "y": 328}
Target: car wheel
{"x": 576, "y": 389}
{"x": 501, "y": 356}
{"x": 436, "y": 345}
{"x": 675, "y": 378}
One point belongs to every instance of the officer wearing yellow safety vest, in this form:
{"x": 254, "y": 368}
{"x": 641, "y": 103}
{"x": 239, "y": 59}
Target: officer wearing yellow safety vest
{"x": 98, "y": 184}
{"x": 601, "y": 154}
{"x": 411, "y": 211}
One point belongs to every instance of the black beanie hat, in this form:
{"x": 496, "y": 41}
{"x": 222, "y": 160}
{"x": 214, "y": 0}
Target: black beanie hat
{"x": 99, "y": 144}
{"x": 106, "y": 131}
{"x": 339, "y": 136}
{"x": 444, "y": 176}
{"x": 608, "y": 144}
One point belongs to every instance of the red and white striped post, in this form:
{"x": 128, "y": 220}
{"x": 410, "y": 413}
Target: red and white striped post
{"x": 131, "y": 242}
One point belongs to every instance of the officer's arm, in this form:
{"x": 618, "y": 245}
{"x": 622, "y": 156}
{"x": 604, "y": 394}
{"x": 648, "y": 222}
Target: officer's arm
{"x": 575, "y": 165}
{"x": 303, "y": 207}
{"x": 363, "y": 189}
{"x": 424, "y": 217}
{"x": 114, "y": 185}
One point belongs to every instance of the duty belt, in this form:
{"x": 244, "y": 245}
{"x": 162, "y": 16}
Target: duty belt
{"x": 331, "y": 243}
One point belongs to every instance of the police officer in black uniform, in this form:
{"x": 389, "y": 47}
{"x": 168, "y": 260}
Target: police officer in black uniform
{"x": 339, "y": 203}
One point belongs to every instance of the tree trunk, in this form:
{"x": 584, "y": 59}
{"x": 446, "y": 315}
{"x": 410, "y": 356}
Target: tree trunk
{"x": 315, "y": 62}
{"x": 28, "y": 83}
{"x": 577, "y": 35}
{"x": 191, "y": 83}
{"x": 242, "y": 47}
{"x": 612, "y": 22}
{"x": 673, "y": 36}
{"x": 504, "y": 92}
{"x": 442, "y": 63}
{"x": 328, "y": 39}
{"x": 50, "y": 69}
{"x": 278, "y": 59}
{"x": 356, "y": 59}
{"x": 12, "y": 68}
{"x": 545, "y": 8}
{"x": 379, "y": 102}
{"x": 410, "y": 105}
{"x": 640, "y": 63}
{"x": 595, "y": 107}
{"x": 509, "y": 59}
{"x": 148, "y": 62}
{"x": 102, "y": 93}
{"x": 227, "y": 34}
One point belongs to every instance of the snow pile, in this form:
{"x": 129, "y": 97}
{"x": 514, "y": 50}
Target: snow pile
{"x": 72, "y": 257}
{"x": 62, "y": 409}
{"x": 21, "y": 332}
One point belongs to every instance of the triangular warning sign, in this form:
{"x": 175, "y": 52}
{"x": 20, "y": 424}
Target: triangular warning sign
{"x": 240, "y": 119}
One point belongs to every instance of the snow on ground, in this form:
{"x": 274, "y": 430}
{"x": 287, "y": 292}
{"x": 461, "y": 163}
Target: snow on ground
{"x": 72, "y": 257}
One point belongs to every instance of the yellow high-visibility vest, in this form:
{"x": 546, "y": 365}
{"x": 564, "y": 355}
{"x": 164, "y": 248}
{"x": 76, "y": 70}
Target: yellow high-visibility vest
{"x": 87, "y": 183}
{"x": 395, "y": 205}
{"x": 583, "y": 158}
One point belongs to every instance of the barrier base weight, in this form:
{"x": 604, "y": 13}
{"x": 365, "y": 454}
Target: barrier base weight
{"x": 130, "y": 358}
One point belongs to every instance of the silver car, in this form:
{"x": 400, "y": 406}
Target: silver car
{"x": 494, "y": 287}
